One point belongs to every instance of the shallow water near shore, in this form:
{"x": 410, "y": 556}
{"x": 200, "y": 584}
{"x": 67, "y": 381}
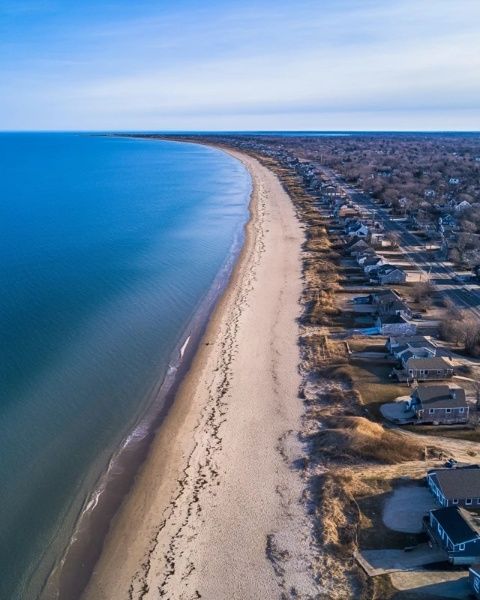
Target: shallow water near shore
{"x": 112, "y": 252}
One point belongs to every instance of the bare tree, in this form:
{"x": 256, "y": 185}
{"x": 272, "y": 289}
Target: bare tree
{"x": 422, "y": 293}
{"x": 393, "y": 238}
{"x": 452, "y": 310}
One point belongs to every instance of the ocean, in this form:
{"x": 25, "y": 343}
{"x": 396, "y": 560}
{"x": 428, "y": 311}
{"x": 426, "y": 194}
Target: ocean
{"x": 112, "y": 253}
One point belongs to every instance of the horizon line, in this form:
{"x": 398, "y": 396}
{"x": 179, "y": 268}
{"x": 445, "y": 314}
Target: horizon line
{"x": 238, "y": 131}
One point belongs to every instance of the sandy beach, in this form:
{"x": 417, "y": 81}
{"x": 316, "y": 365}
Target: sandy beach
{"x": 216, "y": 510}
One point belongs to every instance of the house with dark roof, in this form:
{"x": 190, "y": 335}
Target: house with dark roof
{"x": 394, "y": 325}
{"x": 425, "y": 369}
{"x": 474, "y": 579}
{"x": 395, "y": 341}
{"x": 388, "y": 302}
{"x": 457, "y": 531}
{"x": 386, "y": 274}
{"x": 457, "y": 486}
{"x": 357, "y": 229}
{"x": 371, "y": 263}
{"x": 407, "y": 351}
{"x": 439, "y": 404}
{"x": 356, "y": 245}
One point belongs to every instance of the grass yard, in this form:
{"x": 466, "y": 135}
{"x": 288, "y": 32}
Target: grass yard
{"x": 470, "y": 435}
{"x": 368, "y": 344}
{"x": 370, "y": 379}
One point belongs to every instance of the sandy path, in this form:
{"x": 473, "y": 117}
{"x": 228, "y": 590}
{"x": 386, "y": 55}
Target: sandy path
{"x": 216, "y": 511}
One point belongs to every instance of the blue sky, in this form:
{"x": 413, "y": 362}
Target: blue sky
{"x": 216, "y": 65}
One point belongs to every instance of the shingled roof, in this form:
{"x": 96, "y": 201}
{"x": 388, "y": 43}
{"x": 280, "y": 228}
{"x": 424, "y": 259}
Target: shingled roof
{"x": 458, "y": 483}
{"x": 439, "y": 396}
{"x": 432, "y": 364}
{"x": 459, "y": 524}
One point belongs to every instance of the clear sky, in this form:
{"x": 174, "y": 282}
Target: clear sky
{"x": 240, "y": 65}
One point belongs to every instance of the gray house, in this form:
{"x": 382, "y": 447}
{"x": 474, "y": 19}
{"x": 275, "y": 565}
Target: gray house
{"x": 388, "y": 274}
{"x": 458, "y": 486}
{"x": 439, "y": 404}
{"x": 394, "y": 325}
{"x": 457, "y": 531}
{"x": 394, "y": 342}
{"x": 410, "y": 350}
{"x": 356, "y": 245}
{"x": 388, "y": 302}
{"x": 371, "y": 263}
{"x": 428, "y": 369}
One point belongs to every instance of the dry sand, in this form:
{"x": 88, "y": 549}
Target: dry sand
{"x": 217, "y": 512}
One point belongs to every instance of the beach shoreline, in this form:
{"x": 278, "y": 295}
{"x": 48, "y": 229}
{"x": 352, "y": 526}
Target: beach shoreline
{"x": 227, "y": 445}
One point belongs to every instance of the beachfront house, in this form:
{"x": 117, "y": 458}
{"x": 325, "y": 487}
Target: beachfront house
{"x": 426, "y": 369}
{"x": 459, "y": 486}
{"x": 371, "y": 263}
{"x": 388, "y": 274}
{"x": 410, "y": 350}
{"x": 388, "y": 302}
{"x": 394, "y": 342}
{"x": 394, "y": 325}
{"x": 439, "y": 405}
{"x": 365, "y": 255}
{"x": 356, "y": 245}
{"x": 457, "y": 531}
{"x": 383, "y": 303}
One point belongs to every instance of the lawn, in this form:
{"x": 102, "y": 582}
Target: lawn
{"x": 470, "y": 435}
{"x": 371, "y": 380}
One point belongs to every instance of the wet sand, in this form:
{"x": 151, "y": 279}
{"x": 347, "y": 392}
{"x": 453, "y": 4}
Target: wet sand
{"x": 216, "y": 510}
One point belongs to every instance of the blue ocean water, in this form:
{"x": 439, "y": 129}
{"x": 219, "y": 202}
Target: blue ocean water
{"x": 108, "y": 246}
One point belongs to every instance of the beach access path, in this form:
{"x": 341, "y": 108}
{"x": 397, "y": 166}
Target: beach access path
{"x": 216, "y": 512}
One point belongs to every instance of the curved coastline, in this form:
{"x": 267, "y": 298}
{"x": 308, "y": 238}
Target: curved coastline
{"x": 203, "y": 471}
{"x": 71, "y": 573}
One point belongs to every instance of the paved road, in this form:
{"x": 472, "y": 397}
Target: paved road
{"x": 462, "y": 296}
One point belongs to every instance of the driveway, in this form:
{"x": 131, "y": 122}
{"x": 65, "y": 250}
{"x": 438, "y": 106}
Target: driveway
{"x": 395, "y": 411}
{"x": 405, "y": 508}
{"x": 380, "y": 562}
{"x": 439, "y": 584}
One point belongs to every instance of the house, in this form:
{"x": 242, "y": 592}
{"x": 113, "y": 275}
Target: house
{"x": 377, "y": 239}
{"x": 357, "y": 229}
{"x": 366, "y": 253}
{"x": 394, "y": 325}
{"x": 457, "y": 531}
{"x": 371, "y": 263}
{"x": 423, "y": 369}
{"x": 361, "y": 256}
{"x": 474, "y": 579}
{"x": 345, "y": 211}
{"x": 456, "y": 486}
{"x": 388, "y": 274}
{"x": 463, "y": 205}
{"x": 406, "y": 351}
{"x": 439, "y": 404}
{"x": 395, "y": 342}
{"x": 388, "y": 302}
{"x": 356, "y": 245}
